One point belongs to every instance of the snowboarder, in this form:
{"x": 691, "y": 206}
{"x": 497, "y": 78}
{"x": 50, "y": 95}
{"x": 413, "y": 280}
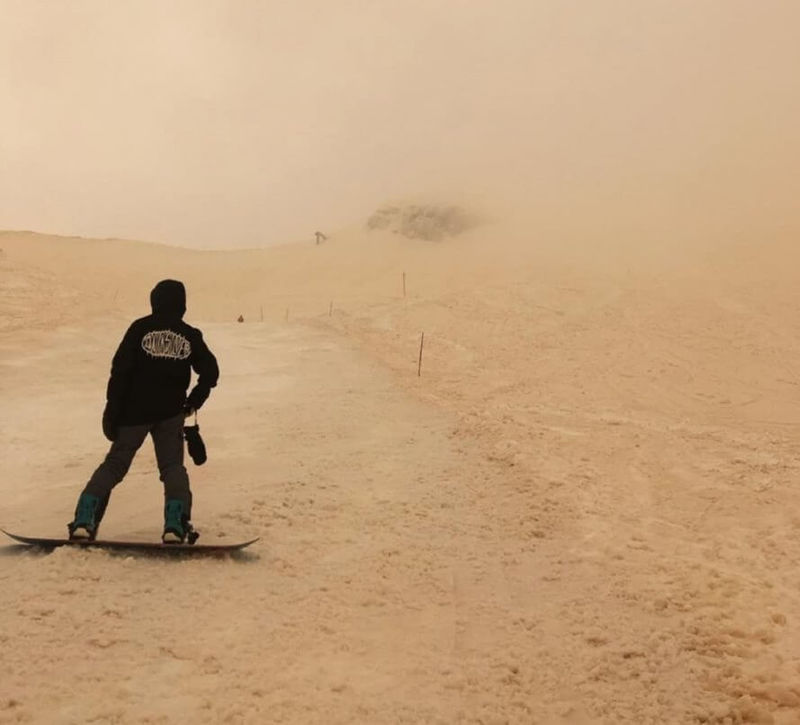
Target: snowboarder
{"x": 146, "y": 393}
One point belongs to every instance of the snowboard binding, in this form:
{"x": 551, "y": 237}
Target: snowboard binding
{"x": 178, "y": 528}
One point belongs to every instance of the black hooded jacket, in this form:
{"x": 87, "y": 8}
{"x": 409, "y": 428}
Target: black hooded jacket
{"x": 151, "y": 369}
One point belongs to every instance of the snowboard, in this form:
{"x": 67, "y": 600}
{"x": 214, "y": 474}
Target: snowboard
{"x": 144, "y": 546}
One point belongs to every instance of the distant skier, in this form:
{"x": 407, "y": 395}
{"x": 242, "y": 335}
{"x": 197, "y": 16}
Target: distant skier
{"x": 146, "y": 393}
{"x": 320, "y": 237}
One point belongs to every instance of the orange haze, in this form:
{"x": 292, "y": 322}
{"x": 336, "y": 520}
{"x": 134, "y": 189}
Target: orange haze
{"x": 219, "y": 124}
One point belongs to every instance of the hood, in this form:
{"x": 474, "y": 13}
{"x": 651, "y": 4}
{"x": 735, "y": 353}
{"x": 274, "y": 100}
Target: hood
{"x": 168, "y": 298}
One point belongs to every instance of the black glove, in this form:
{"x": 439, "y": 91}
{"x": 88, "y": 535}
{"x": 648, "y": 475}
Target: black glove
{"x": 109, "y": 424}
{"x": 194, "y": 401}
{"x": 197, "y": 449}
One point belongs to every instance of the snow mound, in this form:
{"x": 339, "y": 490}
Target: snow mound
{"x": 432, "y": 222}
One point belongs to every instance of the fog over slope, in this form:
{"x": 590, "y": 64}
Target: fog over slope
{"x": 218, "y": 124}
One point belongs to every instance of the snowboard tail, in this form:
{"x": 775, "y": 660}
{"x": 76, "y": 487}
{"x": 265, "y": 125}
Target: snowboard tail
{"x": 147, "y": 546}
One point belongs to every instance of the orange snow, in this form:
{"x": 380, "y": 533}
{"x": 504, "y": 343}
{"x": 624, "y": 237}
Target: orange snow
{"x": 584, "y": 510}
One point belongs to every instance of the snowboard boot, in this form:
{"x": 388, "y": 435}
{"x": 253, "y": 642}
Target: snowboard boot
{"x": 84, "y": 526}
{"x": 176, "y": 522}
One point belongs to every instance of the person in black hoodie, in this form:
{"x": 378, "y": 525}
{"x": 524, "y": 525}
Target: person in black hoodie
{"x": 150, "y": 374}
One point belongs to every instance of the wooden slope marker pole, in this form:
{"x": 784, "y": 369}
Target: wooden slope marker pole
{"x": 419, "y": 365}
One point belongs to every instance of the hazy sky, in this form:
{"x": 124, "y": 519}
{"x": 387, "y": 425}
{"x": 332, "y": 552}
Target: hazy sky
{"x": 231, "y": 123}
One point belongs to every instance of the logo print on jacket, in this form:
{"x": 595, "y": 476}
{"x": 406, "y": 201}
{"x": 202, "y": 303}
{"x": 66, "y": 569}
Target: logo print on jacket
{"x": 166, "y": 344}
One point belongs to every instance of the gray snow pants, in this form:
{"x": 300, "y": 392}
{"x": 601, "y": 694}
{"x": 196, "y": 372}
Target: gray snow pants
{"x": 168, "y": 441}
